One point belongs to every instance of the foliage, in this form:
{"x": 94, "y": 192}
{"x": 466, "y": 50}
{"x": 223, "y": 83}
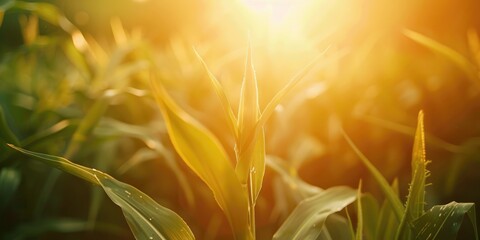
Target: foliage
{"x": 221, "y": 149}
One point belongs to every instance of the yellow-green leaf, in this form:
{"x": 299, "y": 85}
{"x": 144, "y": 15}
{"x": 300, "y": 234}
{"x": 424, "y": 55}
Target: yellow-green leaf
{"x": 227, "y": 107}
{"x": 248, "y": 114}
{"x": 204, "y": 154}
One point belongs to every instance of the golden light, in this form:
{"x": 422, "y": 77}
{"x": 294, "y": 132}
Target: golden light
{"x": 275, "y": 12}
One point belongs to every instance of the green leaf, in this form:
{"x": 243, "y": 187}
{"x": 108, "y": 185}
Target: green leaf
{"x": 146, "y": 218}
{"x": 387, "y": 223}
{"x": 384, "y": 186}
{"x": 337, "y": 227}
{"x": 416, "y": 197}
{"x": 370, "y": 211}
{"x": 461, "y": 61}
{"x": 308, "y": 218}
{"x": 442, "y": 222}
{"x": 204, "y": 154}
{"x": 227, "y": 107}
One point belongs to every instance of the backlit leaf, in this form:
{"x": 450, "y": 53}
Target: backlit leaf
{"x": 204, "y": 154}
{"x": 146, "y": 218}
{"x": 227, "y": 107}
{"x": 308, "y": 218}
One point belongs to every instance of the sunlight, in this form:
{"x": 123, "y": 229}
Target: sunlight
{"x": 275, "y": 11}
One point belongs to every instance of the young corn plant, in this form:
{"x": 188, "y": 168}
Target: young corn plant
{"x": 410, "y": 220}
{"x": 235, "y": 187}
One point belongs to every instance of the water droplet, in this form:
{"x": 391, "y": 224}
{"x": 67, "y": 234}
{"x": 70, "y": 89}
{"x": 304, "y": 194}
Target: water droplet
{"x": 127, "y": 192}
{"x": 440, "y": 214}
{"x": 150, "y": 237}
{"x": 149, "y": 219}
{"x": 141, "y": 196}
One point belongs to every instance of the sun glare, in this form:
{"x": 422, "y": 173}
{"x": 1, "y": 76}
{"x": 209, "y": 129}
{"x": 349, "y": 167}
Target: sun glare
{"x": 275, "y": 11}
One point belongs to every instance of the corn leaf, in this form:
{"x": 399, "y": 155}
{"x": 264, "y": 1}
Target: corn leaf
{"x": 250, "y": 156}
{"x": 336, "y": 227}
{"x": 227, "y": 107}
{"x": 308, "y": 218}
{"x": 384, "y": 186}
{"x": 146, "y": 218}
{"x": 370, "y": 212}
{"x": 416, "y": 197}
{"x": 443, "y": 221}
{"x": 461, "y": 61}
{"x": 205, "y": 156}
{"x": 387, "y": 223}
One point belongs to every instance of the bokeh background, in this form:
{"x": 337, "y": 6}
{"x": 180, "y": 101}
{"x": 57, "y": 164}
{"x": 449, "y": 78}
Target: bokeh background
{"x": 371, "y": 80}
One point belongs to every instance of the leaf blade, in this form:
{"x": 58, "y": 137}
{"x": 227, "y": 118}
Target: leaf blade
{"x": 312, "y": 212}
{"x": 205, "y": 156}
{"x": 166, "y": 223}
{"x": 443, "y": 221}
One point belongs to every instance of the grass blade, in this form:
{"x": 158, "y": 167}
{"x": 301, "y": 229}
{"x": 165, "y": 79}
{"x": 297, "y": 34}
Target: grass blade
{"x": 147, "y": 219}
{"x": 204, "y": 154}
{"x": 461, "y": 61}
{"x": 359, "y": 231}
{"x": 308, "y": 218}
{"x": 382, "y": 182}
{"x": 443, "y": 221}
{"x": 416, "y": 197}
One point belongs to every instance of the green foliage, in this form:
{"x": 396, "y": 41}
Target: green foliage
{"x": 94, "y": 98}
{"x": 308, "y": 218}
{"x": 147, "y": 219}
{"x": 415, "y": 223}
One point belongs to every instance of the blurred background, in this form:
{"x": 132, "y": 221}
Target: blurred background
{"x": 58, "y": 68}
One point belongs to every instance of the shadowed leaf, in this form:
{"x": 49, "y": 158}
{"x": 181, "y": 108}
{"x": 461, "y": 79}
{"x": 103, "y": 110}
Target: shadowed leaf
{"x": 442, "y": 222}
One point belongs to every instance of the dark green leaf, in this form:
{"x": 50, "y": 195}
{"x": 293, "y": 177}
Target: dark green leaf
{"x": 442, "y": 222}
